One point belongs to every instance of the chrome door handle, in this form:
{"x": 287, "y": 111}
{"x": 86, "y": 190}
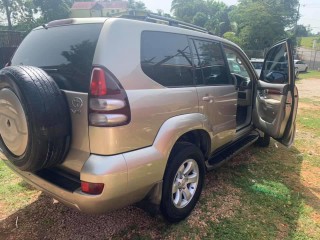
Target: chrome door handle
{"x": 208, "y": 99}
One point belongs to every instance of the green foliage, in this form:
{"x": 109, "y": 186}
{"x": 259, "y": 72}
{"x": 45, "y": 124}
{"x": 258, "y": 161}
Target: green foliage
{"x": 307, "y": 42}
{"x": 210, "y": 14}
{"x": 261, "y": 23}
{"x": 137, "y": 5}
{"x": 53, "y": 9}
{"x": 16, "y": 11}
{"x": 302, "y": 31}
{"x": 231, "y": 36}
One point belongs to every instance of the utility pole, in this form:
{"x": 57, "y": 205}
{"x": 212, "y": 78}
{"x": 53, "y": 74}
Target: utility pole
{"x": 297, "y": 19}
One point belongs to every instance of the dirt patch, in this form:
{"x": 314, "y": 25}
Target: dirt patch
{"x": 309, "y": 88}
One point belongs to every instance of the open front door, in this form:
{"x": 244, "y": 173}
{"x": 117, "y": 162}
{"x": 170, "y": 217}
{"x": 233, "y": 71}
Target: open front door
{"x": 276, "y": 98}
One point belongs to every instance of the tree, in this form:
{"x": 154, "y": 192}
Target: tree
{"x": 136, "y": 5}
{"x": 53, "y": 9}
{"x": 231, "y": 36}
{"x": 211, "y": 14}
{"x": 14, "y": 10}
{"x": 260, "y": 23}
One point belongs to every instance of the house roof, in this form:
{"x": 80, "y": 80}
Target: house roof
{"x": 90, "y": 5}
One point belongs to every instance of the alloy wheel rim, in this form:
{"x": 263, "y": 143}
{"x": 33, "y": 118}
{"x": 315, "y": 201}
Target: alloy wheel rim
{"x": 185, "y": 183}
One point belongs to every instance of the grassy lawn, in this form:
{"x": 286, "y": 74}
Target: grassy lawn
{"x": 14, "y": 192}
{"x": 263, "y": 193}
{"x": 307, "y": 42}
{"x": 310, "y": 74}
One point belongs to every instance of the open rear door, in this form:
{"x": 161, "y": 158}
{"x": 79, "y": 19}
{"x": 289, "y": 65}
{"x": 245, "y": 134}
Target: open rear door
{"x": 276, "y": 98}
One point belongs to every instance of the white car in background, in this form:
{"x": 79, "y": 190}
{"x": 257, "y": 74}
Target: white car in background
{"x": 258, "y": 64}
{"x": 301, "y": 65}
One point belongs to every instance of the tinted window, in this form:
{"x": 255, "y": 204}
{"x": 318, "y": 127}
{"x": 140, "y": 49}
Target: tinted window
{"x": 166, "y": 58}
{"x": 211, "y": 62}
{"x": 276, "y": 68}
{"x": 65, "y": 52}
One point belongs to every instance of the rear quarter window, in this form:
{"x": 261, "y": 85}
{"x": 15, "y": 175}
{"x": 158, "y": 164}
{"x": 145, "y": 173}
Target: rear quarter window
{"x": 65, "y": 52}
{"x": 166, "y": 58}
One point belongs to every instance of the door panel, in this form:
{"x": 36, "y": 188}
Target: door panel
{"x": 219, "y": 104}
{"x": 276, "y": 98}
{"x": 216, "y": 92}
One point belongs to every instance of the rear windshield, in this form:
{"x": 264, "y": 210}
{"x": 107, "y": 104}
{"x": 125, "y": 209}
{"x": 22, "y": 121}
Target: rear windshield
{"x": 65, "y": 52}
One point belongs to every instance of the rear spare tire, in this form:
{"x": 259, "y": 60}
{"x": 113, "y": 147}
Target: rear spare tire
{"x": 34, "y": 118}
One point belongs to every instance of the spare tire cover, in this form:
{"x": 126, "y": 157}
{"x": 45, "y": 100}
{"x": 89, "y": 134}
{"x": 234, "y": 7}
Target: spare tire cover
{"x": 34, "y": 118}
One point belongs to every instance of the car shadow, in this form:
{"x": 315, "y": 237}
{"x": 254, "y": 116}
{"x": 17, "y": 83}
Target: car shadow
{"x": 44, "y": 219}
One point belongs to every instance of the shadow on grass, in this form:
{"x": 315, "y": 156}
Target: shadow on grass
{"x": 257, "y": 195}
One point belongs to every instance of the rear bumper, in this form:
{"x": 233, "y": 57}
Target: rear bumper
{"x": 113, "y": 171}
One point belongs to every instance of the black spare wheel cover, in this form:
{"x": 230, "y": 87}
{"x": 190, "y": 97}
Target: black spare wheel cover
{"x": 34, "y": 118}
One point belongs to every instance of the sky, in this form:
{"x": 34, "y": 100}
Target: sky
{"x": 309, "y": 10}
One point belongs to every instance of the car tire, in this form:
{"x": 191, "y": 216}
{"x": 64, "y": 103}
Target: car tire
{"x": 34, "y": 118}
{"x": 183, "y": 179}
{"x": 264, "y": 141}
{"x": 306, "y": 70}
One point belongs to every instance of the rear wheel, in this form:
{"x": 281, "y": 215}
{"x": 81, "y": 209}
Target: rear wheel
{"x": 306, "y": 70}
{"x": 183, "y": 182}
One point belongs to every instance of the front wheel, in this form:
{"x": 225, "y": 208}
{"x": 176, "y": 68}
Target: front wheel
{"x": 183, "y": 182}
{"x": 264, "y": 141}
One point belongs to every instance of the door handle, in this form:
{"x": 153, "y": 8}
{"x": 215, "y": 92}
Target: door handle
{"x": 208, "y": 99}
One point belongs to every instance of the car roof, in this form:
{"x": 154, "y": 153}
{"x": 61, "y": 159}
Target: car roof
{"x": 157, "y": 26}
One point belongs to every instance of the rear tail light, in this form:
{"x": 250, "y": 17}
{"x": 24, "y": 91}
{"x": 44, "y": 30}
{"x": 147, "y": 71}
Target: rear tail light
{"x": 92, "y": 188}
{"x": 108, "y": 103}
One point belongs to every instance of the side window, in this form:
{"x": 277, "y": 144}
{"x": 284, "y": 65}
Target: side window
{"x": 275, "y": 68}
{"x": 236, "y": 64}
{"x": 211, "y": 62}
{"x": 166, "y": 58}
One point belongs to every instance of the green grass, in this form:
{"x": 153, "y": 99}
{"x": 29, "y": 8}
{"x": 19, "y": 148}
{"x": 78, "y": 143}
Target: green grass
{"x": 307, "y": 42}
{"x": 310, "y": 74}
{"x": 14, "y": 192}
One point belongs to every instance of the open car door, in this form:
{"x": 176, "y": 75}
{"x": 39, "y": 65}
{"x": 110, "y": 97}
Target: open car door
{"x": 276, "y": 98}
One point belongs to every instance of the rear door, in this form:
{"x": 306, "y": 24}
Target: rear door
{"x": 216, "y": 90}
{"x": 66, "y": 53}
{"x": 276, "y": 99}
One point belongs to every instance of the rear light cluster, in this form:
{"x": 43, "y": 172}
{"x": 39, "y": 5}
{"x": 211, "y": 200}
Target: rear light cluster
{"x": 92, "y": 188}
{"x": 108, "y": 103}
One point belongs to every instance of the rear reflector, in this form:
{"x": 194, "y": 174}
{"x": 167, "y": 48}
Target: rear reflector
{"x": 92, "y": 188}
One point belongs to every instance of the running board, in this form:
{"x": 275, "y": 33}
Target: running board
{"x": 220, "y": 157}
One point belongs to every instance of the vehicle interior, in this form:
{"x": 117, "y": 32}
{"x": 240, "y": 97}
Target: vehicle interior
{"x": 243, "y": 81}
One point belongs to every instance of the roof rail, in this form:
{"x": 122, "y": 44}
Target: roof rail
{"x": 155, "y": 18}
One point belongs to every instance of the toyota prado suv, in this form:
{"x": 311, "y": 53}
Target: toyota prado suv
{"x": 100, "y": 113}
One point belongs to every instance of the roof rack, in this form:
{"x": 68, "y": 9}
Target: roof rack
{"x": 155, "y": 18}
